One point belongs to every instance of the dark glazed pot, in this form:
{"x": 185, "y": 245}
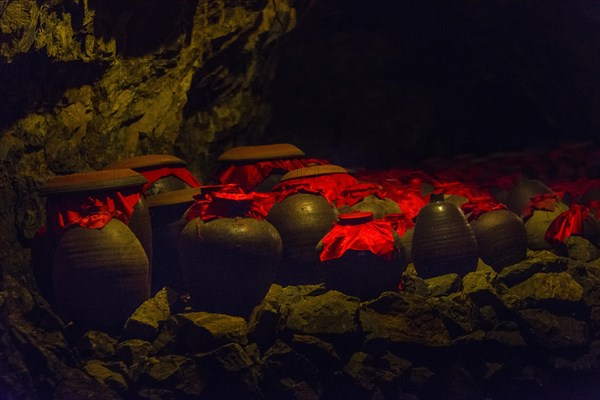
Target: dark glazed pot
{"x": 228, "y": 264}
{"x": 100, "y": 276}
{"x": 443, "y": 241}
{"x": 141, "y": 225}
{"x": 379, "y": 207}
{"x": 537, "y": 225}
{"x": 302, "y": 220}
{"x": 363, "y": 274}
{"x": 501, "y": 238}
{"x": 522, "y": 192}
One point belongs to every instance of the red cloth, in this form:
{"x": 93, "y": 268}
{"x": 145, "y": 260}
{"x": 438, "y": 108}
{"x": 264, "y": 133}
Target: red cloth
{"x": 545, "y": 201}
{"x": 248, "y": 176}
{"x": 594, "y": 206}
{"x": 374, "y": 236}
{"x": 460, "y": 189}
{"x": 567, "y": 224}
{"x": 474, "y": 209}
{"x": 152, "y": 175}
{"x": 409, "y": 199}
{"x": 329, "y": 186}
{"x": 400, "y": 222}
{"x": 356, "y": 193}
{"x": 92, "y": 210}
{"x": 230, "y": 204}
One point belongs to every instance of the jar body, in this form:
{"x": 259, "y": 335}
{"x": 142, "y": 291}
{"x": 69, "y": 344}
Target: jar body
{"x": 228, "y": 264}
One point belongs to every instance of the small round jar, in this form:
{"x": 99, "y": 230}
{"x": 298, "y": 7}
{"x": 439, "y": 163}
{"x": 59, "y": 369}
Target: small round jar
{"x": 443, "y": 241}
{"x": 365, "y": 258}
{"x": 100, "y": 272}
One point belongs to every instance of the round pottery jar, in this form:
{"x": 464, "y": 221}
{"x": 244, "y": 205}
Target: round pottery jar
{"x": 501, "y": 238}
{"x": 229, "y": 263}
{"x": 167, "y": 210}
{"x": 373, "y": 200}
{"x": 163, "y": 171}
{"x": 443, "y": 241}
{"x": 259, "y": 168}
{"x": 360, "y": 270}
{"x": 521, "y": 193}
{"x": 100, "y": 271}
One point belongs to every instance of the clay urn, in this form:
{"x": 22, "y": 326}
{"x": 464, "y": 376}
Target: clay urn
{"x": 167, "y": 211}
{"x": 259, "y": 168}
{"x": 229, "y": 253}
{"x": 360, "y": 256}
{"x": 100, "y": 272}
{"x": 443, "y": 241}
{"x": 368, "y": 197}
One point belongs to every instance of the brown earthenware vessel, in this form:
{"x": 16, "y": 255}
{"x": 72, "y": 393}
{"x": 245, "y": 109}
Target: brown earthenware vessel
{"x": 443, "y": 241}
{"x": 228, "y": 264}
{"x": 302, "y": 220}
{"x": 537, "y": 225}
{"x": 379, "y": 207}
{"x": 522, "y": 192}
{"x": 501, "y": 238}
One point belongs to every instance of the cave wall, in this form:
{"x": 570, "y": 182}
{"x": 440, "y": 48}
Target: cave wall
{"x": 86, "y": 82}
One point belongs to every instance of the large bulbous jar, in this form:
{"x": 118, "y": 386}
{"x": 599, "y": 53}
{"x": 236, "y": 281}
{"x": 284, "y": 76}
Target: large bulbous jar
{"x": 100, "y": 271}
{"x": 229, "y": 263}
{"x": 501, "y": 238}
{"x": 365, "y": 260}
{"x": 443, "y": 241}
{"x": 521, "y": 193}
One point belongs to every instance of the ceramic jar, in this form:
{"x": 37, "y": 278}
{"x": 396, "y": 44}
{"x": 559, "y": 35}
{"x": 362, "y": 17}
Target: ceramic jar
{"x": 366, "y": 261}
{"x": 100, "y": 271}
{"x": 228, "y": 263}
{"x": 501, "y": 238}
{"x": 443, "y": 241}
{"x": 167, "y": 210}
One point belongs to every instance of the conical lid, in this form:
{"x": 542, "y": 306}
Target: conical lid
{"x": 147, "y": 161}
{"x": 261, "y": 152}
{"x": 314, "y": 170}
{"x": 93, "y": 181}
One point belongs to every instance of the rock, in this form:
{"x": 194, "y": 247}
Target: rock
{"x": 96, "y": 345}
{"x": 458, "y": 313}
{"x": 549, "y": 260}
{"x": 595, "y": 321}
{"x": 203, "y": 332}
{"x": 360, "y": 368}
{"x": 552, "y": 332}
{"x": 517, "y": 273}
{"x": 332, "y": 313}
{"x": 588, "y": 276}
{"x": 146, "y": 319}
{"x": 478, "y": 286}
{"x": 581, "y": 249}
{"x": 75, "y": 384}
{"x": 505, "y": 335}
{"x": 547, "y": 289}
{"x": 169, "y": 341}
{"x": 402, "y": 319}
{"x": 264, "y": 320}
{"x": 421, "y": 377}
{"x": 322, "y": 354}
{"x": 228, "y": 358}
{"x": 173, "y": 372}
{"x": 102, "y": 373}
{"x": 133, "y": 351}
{"x": 443, "y": 285}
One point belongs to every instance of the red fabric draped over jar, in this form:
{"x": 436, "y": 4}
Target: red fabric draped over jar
{"x": 248, "y": 176}
{"x": 545, "y": 201}
{"x": 230, "y": 202}
{"x": 409, "y": 199}
{"x": 356, "y": 193}
{"x": 567, "y": 224}
{"x": 400, "y": 222}
{"x": 477, "y": 207}
{"x": 329, "y": 186}
{"x": 89, "y": 210}
{"x": 152, "y": 175}
{"x": 461, "y": 189}
{"x": 374, "y": 236}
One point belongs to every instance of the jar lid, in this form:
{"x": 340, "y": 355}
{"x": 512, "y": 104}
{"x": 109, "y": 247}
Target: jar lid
{"x": 315, "y": 170}
{"x": 93, "y": 181}
{"x": 174, "y": 197}
{"x": 355, "y": 217}
{"x": 147, "y": 161}
{"x": 261, "y": 152}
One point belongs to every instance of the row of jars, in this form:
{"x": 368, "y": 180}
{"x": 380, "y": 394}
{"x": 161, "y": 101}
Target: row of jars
{"x": 275, "y": 216}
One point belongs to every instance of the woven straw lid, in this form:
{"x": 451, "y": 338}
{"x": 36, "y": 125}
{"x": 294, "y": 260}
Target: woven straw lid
{"x": 93, "y": 181}
{"x": 314, "y": 170}
{"x": 147, "y": 161}
{"x": 261, "y": 152}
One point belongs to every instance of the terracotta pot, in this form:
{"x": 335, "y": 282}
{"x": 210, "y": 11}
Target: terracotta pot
{"x": 228, "y": 264}
{"x": 443, "y": 241}
{"x": 167, "y": 211}
{"x": 301, "y": 219}
{"x": 522, "y": 192}
{"x": 501, "y": 238}
{"x": 362, "y": 273}
{"x": 100, "y": 276}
